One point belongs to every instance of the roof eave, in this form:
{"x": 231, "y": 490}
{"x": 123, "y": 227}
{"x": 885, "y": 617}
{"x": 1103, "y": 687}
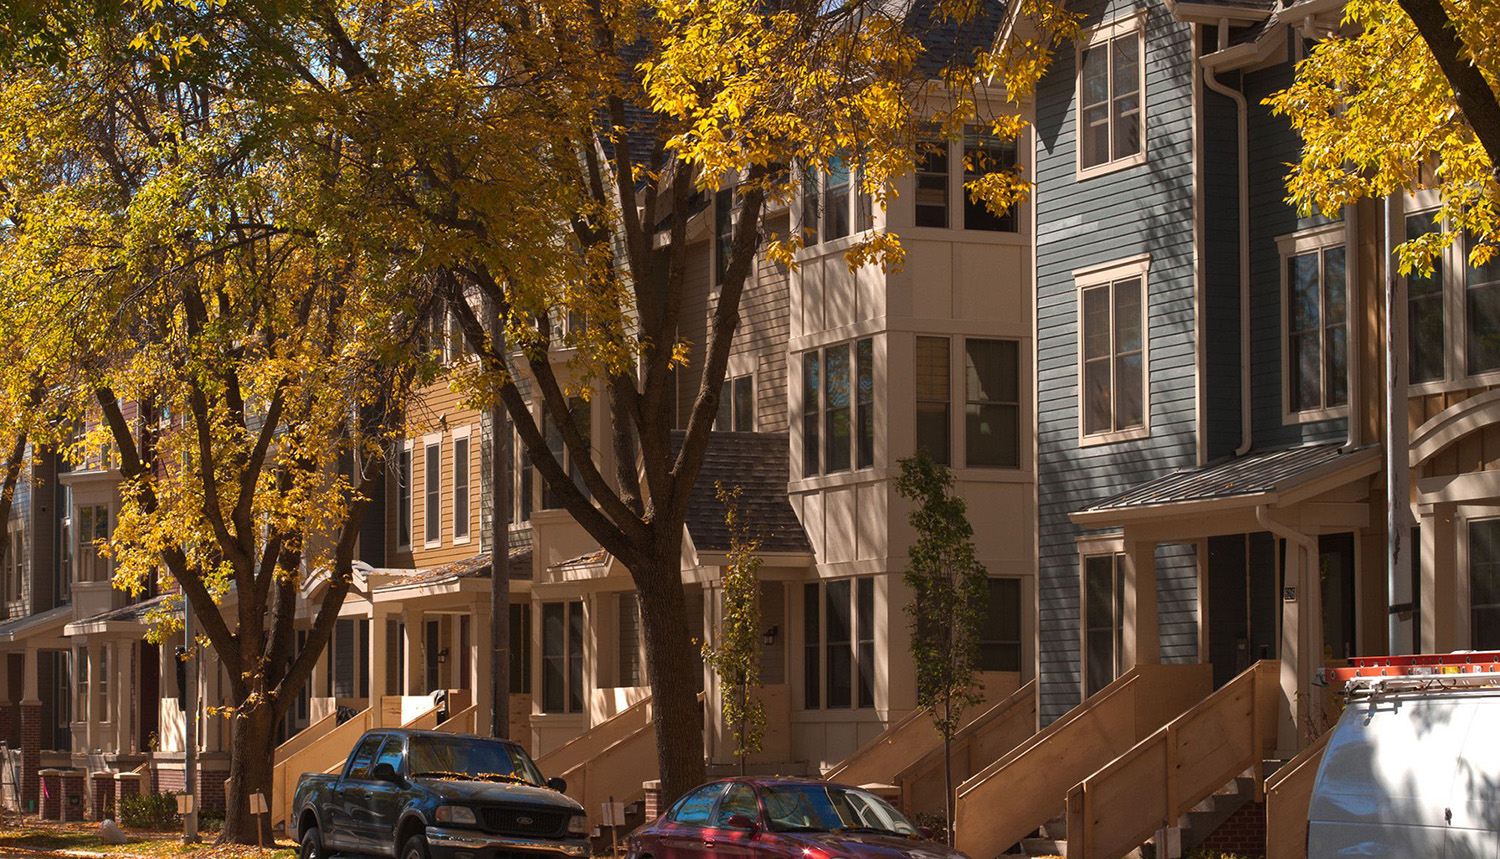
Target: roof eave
{"x": 1214, "y": 13}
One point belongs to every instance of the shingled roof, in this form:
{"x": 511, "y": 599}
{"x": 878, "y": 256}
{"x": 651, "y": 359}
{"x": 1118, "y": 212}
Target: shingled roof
{"x": 757, "y": 463}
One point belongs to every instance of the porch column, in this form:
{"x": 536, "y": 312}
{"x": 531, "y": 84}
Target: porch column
{"x": 1301, "y": 642}
{"x": 379, "y": 648}
{"x": 481, "y": 660}
{"x": 1439, "y": 581}
{"x": 125, "y": 707}
{"x": 415, "y": 664}
{"x": 1140, "y": 634}
{"x": 31, "y": 733}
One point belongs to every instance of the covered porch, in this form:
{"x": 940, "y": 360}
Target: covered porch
{"x": 1287, "y": 569}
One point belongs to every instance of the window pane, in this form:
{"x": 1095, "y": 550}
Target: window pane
{"x": 1127, "y": 315}
{"x": 809, "y": 207}
{"x": 460, "y": 487}
{"x": 865, "y": 358}
{"x": 1100, "y": 612}
{"x": 836, "y": 457}
{"x": 1302, "y": 293}
{"x": 1125, "y": 51}
{"x": 1426, "y": 333}
{"x": 1483, "y": 314}
{"x": 812, "y": 684}
{"x": 554, "y": 659}
{"x": 575, "y": 657}
{"x": 992, "y": 418}
{"x": 810, "y": 416}
{"x": 1095, "y": 75}
{"x": 992, "y": 368}
{"x": 1129, "y": 399}
{"x": 984, "y": 154}
{"x": 932, "y": 185}
{"x": 724, "y": 418}
{"x": 840, "y": 679}
{"x": 723, "y": 232}
{"x": 1336, "y": 360}
{"x": 1096, "y": 397}
{"x": 1484, "y": 584}
{"x": 744, "y": 404}
{"x": 403, "y": 500}
{"x": 836, "y": 205}
{"x": 629, "y": 640}
{"x": 932, "y": 431}
{"x": 1126, "y": 80}
{"x": 865, "y": 598}
{"x": 1000, "y": 635}
{"x": 739, "y": 800}
{"x": 1477, "y": 275}
{"x": 1306, "y": 372}
{"x": 933, "y": 398}
{"x": 434, "y": 510}
{"x": 1095, "y": 322}
{"x": 1335, "y": 308}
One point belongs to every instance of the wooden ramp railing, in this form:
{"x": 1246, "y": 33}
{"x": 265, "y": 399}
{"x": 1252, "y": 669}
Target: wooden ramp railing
{"x": 595, "y": 740}
{"x": 909, "y": 740}
{"x": 1003, "y": 726}
{"x": 1161, "y": 778}
{"x": 332, "y": 749}
{"x": 1288, "y": 793}
{"x": 1006, "y": 800}
{"x": 618, "y": 771}
{"x": 306, "y": 737}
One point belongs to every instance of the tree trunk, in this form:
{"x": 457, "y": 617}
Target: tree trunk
{"x": 948, "y": 784}
{"x": 252, "y": 736}
{"x": 676, "y": 676}
{"x": 1473, "y": 93}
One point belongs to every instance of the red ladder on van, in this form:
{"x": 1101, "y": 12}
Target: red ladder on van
{"x": 1416, "y": 665}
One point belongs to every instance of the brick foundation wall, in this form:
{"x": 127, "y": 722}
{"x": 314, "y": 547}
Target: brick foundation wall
{"x": 172, "y": 778}
{"x": 10, "y": 725}
{"x": 50, "y": 784}
{"x": 31, "y": 755}
{"x": 74, "y": 794}
{"x": 1243, "y": 834}
{"x": 128, "y": 784}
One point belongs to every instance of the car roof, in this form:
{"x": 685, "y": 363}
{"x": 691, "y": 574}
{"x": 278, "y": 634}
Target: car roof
{"x": 774, "y": 780}
{"x": 412, "y": 732}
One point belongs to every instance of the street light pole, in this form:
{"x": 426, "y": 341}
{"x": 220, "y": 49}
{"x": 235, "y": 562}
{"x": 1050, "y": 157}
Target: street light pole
{"x": 1397, "y": 475}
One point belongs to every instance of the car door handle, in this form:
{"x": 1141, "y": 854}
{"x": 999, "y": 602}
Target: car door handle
{"x": 708, "y": 842}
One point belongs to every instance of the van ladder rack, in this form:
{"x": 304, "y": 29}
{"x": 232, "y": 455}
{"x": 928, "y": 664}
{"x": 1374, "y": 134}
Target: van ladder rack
{"x": 1366, "y": 675}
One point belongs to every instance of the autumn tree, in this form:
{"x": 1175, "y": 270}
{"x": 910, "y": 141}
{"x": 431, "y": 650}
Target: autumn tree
{"x": 946, "y": 613}
{"x": 1405, "y": 96}
{"x": 553, "y": 158}
{"x": 243, "y": 370}
{"x": 735, "y": 653}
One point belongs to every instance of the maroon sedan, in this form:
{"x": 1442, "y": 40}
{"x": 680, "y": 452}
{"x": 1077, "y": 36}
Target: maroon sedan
{"x": 782, "y": 818}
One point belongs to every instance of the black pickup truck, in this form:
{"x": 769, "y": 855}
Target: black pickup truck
{"x": 431, "y": 795}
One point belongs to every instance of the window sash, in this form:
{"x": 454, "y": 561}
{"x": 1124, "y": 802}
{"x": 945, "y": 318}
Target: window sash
{"x": 992, "y": 431}
{"x": 838, "y": 431}
{"x": 1000, "y": 634}
{"x": 1102, "y": 627}
{"x": 934, "y": 398}
{"x": 1484, "y": 584}
{"x": 1317, "y": 330}
{"x": 812, "y": 400}
{"x": 812, "y": 659}
{"x": 403, "y": 497}
{"x": 985, "y": 154}
{"x": 931, "y": 196}
{"x": 1113, "y": 352}
{"x": 864, "y": 627}
{"x": 432, "y": 525}
{"x": 864, "y": 358}
{"x": 461, "y": 488}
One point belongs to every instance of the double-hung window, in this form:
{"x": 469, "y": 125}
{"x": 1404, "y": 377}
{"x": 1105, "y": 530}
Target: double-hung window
{"x": 992, "y": 411}
{"x": 1112, "y": 350}
{"x": 985, "y": 154}
{"x": 1316, "y": 307}
{"x": 461, "y": 496}
{"x": 432, "y": 493}
{"x": 403, "y": 497}
{"x": 980, "y": 153}
{"x": 1424, "y": 306}
{"x": 838, "y": 408}
{"x": 1103, "y": 596}
{"x": 1482, "y": 312}
{"x": 1453, "y": 313}
{"x": 562, "y": 657}
{"x": 934, "y": 398}
{"x": 93, "y": 530}
{"x": 1000, "y": 635}
{"x": 834, "y": 203}
{"x": 736, "y": 405}
{"x": 839, "y": 644}
{"x": 1111, "y": 83}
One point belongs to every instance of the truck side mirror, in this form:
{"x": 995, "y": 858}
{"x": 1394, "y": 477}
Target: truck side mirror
{"x": 385, "y": 771}
{"x": 557, "y": 784}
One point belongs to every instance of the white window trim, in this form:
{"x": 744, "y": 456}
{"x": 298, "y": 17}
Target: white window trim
{"x": 463, "y": 432}
{"x": 409, "y": 448}
{"x": 1099, "y": 275}
{"x": 1296, "y": 244}
{"x": 1105, "y": 32}
{"x": 430, "y": 441}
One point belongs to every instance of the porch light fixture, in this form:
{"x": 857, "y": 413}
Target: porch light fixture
{"x": 442, "y": 656}
{"x": 768, "y": 637}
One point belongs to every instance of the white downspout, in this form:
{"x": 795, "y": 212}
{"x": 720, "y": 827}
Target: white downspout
{"x": 1243, "y": 157}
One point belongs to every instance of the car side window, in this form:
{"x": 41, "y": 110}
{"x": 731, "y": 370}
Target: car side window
{"x": 739, "y": 800}
{"x": 697, "y": 807}
{"x": 364, "y": 757}
{"x": 390, "y": 753}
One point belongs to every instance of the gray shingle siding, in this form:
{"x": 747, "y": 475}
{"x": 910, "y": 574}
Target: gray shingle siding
{"x": 1273, "y": 146}
{"x": 1147, "y": 208}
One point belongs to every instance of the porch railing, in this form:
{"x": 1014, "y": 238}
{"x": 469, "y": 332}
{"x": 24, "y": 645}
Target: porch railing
{"x": 332, "y": 749}
{"x": 1161, "y": 778}
{"x": 1006, "y": 800}
{"x": 595, "y": 740}
{"x": 1288, "y": 793}
{"x": 1001, "y": 727}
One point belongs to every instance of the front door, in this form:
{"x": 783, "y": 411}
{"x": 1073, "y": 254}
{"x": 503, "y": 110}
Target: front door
{"x": 1242, "y": 603}
{"x": 1336, "y": 571}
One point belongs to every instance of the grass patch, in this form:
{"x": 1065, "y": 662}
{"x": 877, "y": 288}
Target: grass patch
{"x": 50, "y": 839}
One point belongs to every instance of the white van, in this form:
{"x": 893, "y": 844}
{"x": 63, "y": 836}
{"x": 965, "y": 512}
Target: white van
{"x": 1412, "y": 771}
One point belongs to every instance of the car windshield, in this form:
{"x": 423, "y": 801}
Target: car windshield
{"x": 830, "y": 808}
{"x": 461, "y": 757}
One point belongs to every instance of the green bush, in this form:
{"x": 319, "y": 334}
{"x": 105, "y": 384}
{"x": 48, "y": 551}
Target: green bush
{"x": 149, "y": 811}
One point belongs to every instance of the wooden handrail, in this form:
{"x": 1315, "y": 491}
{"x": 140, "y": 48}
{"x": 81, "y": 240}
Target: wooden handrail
{"x": 591, "y": 742}
{"x": 1003, "y": 802}
{"x": 912, "y": 738}
{"x": 1288, "y": 792}
{"x": 330, "y": 752}
{"x": 305, "y": 737}
{"x": 618, "y": 770}
{"x": 995, "y": 732}
{"x": 1162, "y": 777}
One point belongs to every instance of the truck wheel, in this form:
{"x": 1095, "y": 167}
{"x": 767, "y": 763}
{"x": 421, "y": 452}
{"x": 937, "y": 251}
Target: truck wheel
{"x": 415, "y": 847}
{"x": 312, "y": 845}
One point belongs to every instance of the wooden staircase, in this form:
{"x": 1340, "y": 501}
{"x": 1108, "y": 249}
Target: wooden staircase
{"x": 1176, "y": 776}
{"x": 1010, "y": 799}
{"x": 1002, "y": 726}
{"x": 612, "y": 759}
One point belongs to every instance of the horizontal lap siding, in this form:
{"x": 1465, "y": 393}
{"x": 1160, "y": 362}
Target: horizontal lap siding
{"x": 1273, "y": 146}
{"x": 1148, "y": 208}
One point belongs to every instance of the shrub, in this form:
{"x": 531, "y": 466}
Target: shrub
{"x": 149, "y": 811}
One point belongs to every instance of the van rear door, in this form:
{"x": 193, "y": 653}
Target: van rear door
{"x": 1384, "y": 787}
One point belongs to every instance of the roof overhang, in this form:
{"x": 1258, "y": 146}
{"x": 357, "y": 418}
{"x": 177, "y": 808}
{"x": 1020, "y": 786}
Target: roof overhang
{"x": 1215, "y": 13}
{"x": 50, "y": 621}
{"x": 1303, "y": 486}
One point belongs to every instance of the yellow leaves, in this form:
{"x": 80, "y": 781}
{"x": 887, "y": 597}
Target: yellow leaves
{"x": 1377, "y": 117}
